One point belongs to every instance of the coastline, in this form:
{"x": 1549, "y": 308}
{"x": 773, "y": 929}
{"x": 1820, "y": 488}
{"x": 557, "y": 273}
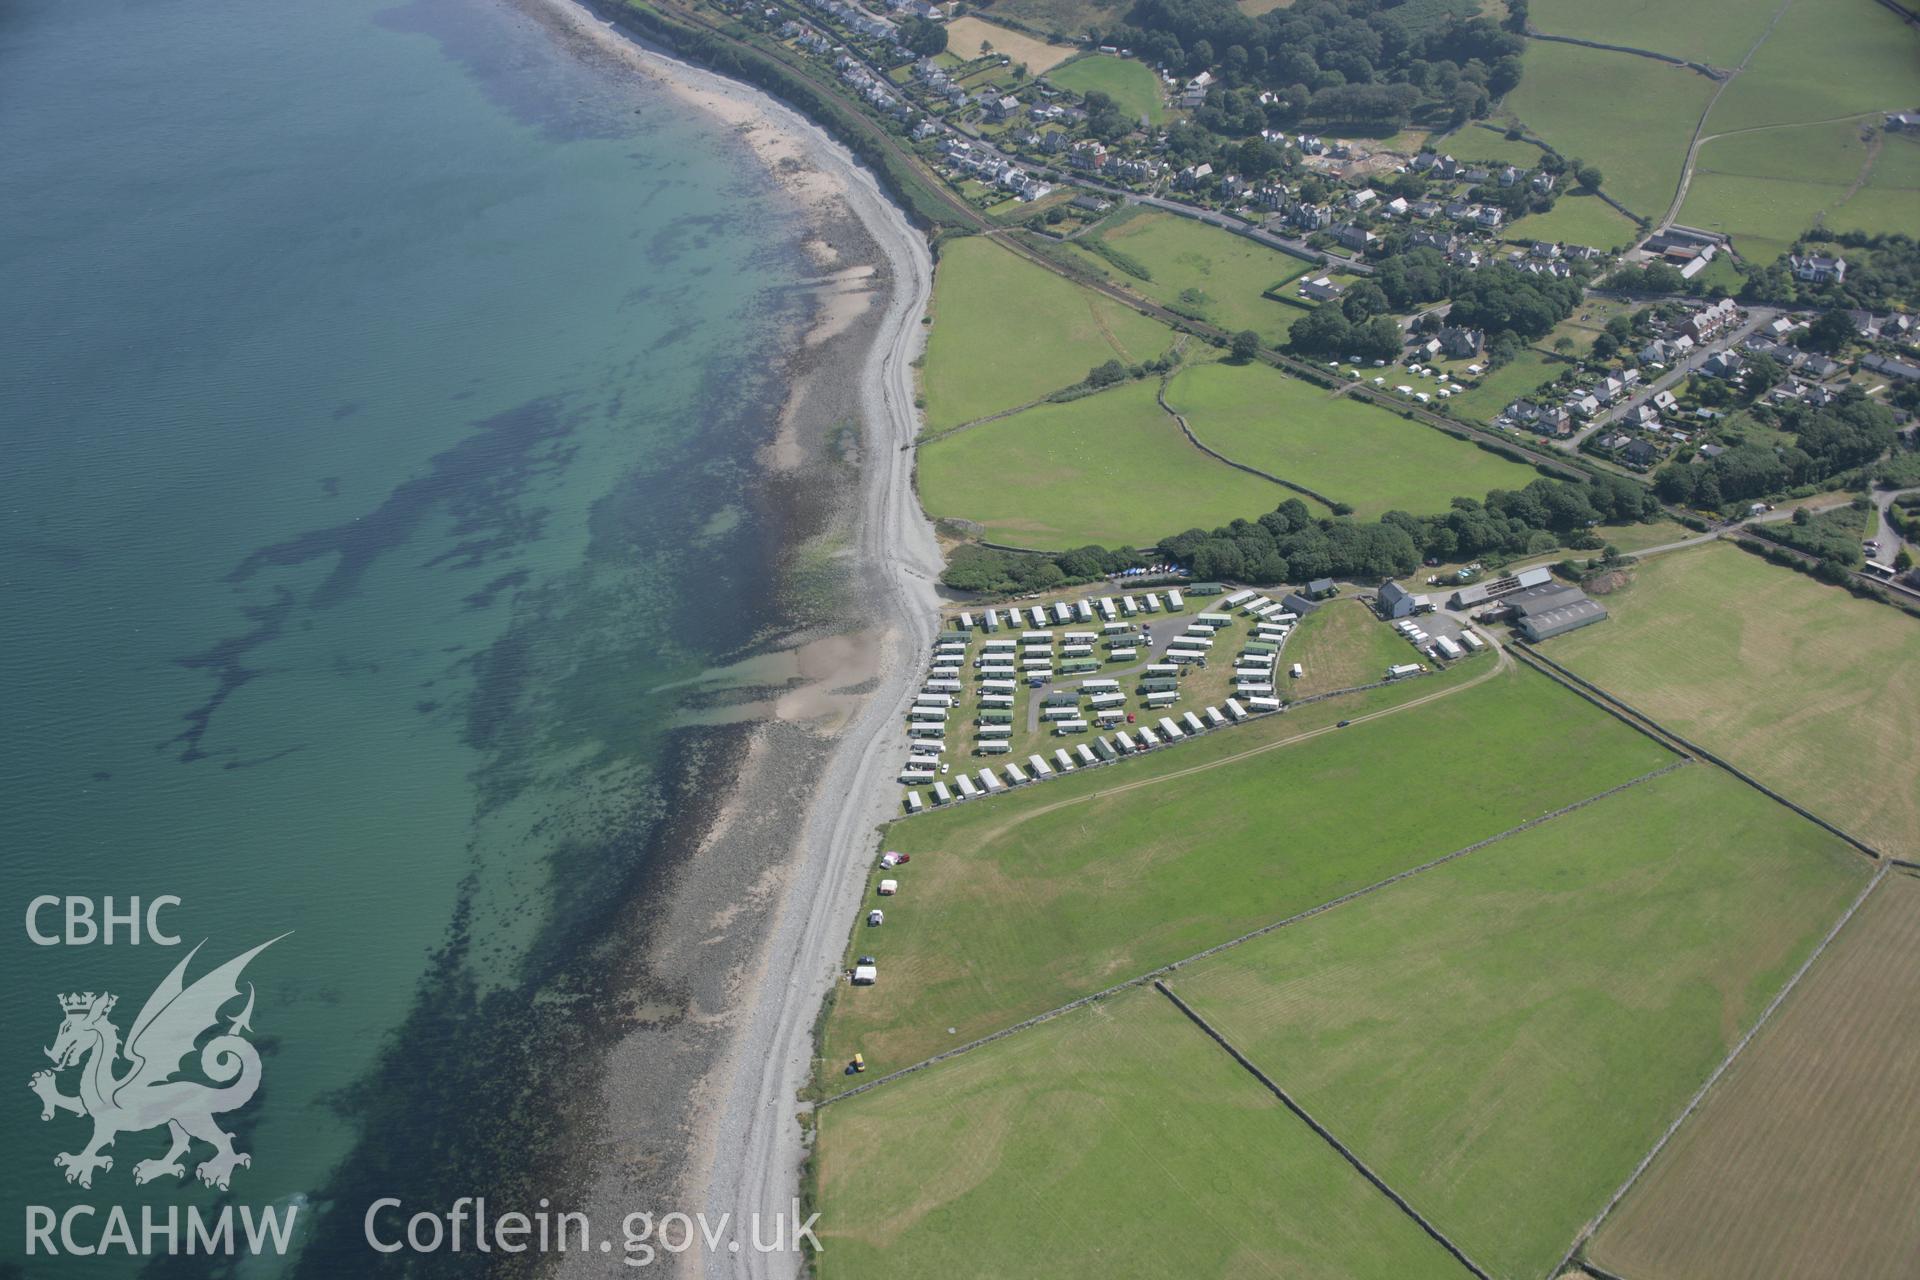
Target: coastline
{"x": 740, "y": 1138}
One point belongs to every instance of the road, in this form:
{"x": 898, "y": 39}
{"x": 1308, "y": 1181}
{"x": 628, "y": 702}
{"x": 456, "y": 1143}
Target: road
{"x": 1890, "y": 540}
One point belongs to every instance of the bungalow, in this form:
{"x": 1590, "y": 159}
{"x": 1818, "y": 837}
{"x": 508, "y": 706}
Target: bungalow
{"x": 1819, "y": 367}
{"x": 1320, "y": 289}
{"x": 1397, "y": 207}
{"x": 1817, "y": 268}
{"x": 1613, "y": 441}
{"x": 1641, "y": 454}
{"x": 1424, "y": 208}
{"x": 1362, "y": 198}
{"x": 1891, "y": 368}
{"x": 1542, "y": 183}
{"x": 1439, "y": 240}
{"x": 1665, "y": 401}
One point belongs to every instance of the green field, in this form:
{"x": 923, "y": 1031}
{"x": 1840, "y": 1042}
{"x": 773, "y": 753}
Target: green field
{"x": 1200, "y": 271}
{"x": 1133, "y": 86}
{"x": 1812, "y": 691}
{"x": 1068, "y": 18}
{"x": 1716, "y": 32}
{"x": 1577, "y": 219}
{"x": 1890, "y": 193}
{"x": 1504, "y": 1037}
{"x": 1118, "y": 1140}
{"x": 1824, "y": 60}
{"x": 1007, "y": 332}
{"x": 1766, "y": 187}
{"x": 1630, "y": 115}
{"x": 1353, "y": 452}
{"x": 1018, "y": 904}
{"x": 1512, "y": 381}
{"x": 1341, "y": 645}
{"x": 1110, "y": 468}
{"x": 1489, "y": 146}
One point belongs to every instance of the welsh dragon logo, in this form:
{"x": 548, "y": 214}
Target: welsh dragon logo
{"x": 145, "y": 1095}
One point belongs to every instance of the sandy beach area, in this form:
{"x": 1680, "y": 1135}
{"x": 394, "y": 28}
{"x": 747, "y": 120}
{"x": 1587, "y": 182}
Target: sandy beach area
{"x": 701, "y": 1101}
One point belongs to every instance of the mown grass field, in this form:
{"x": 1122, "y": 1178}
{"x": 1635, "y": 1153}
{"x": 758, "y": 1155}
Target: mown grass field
{"x": 1201, "y": 271}
{"x": 1341, "y": 645}
{"x": 1110, "y": 468}
{"x": 1577, "y": 219}
{"x": 1813, "y": 692}
{"x": 1068, "y": 19}
{"x": 966, "y": 35}
{"x": 1768, "y": 187}
{"x": 1353, "y": 452}
{"x": 1019, "y": 904}
{"x": 1824, "y": 60}
{"x": 1132, "y": 85}
{"x": 1007, "y": 332}
{"x": 1630, "y": 115}
{"x": 1118, "y": 1140}
{"x": 1504, "y": 1037}
{"x": 1800, "y": 1161}
{"x": 1716, "y": 32}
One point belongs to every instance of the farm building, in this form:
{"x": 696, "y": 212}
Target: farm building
{"x": 1559, "y": 621}
{"x": 1498, "y": 588}
{"x": 1320, "y": 589}
{"x": 1543, "y": 599}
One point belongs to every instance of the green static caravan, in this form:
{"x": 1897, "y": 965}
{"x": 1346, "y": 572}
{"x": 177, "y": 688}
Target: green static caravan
{"x": 1159, "y": 685}
{"x": 1078, "y": 667}
{"x": 1260, "y": 647}
{"x": 949, "y": 637}
{"x": 995, "y": 717}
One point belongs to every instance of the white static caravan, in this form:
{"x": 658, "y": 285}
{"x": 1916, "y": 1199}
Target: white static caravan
{"x": 1449, "y": 650}
{"x": 1146, "y": 737}
{"x": 1040, "y": 649}
{"x": 1124, "y": 741}
{"x": 914, "y": 803}
{"x": 1036, "y": 637}
{"x": 1041, "y": 769}
{"x": 927, "y": 731}
{"x": 1106, "y": 608}
{"x": 1254, "y": 604}
{"x": 1264, "y": 661}
{"x": 1169, "y": 730}
{"x": 1014, "y": 776}
{"x": 1061, "y": 713}
{"x": 1284, "y": 618}
{"x": 1077, "y": 651}
{"x": 1296, "y": 671}
{"x": 995, "y": 731}
{"x": 991, "y": 781}
{"x": 1213, "y": 621}
{"x": 1175, "y": 600}
{"x": 1036, "y": 664}
{"x": 1110, "y": 717}
{"x": 1401, "y": 670}
{"x": 1150, "y": 602}
{"x": 1186, "y": 657}
{"x": 1086, "y": 756}
{"x": 1121, "y": 655}
{"x": 1099, "y": 700}
{"x": 1064, "y": 727}
{"x": 950, "y": 646}
{"x": 1004, "y": 644}
{"x": 1062, "y": 761}
{"x": 928, "y": 715}
{"x": 1254, "y": 688}
{"x": 998, "y": 669}
{"x": 1039, "y": 616}
{"x": 966, "y": 622}
{"x": 1190, "y": 641}
{"x": 996, "y": 702}
{"x": 1128, "y": 607}
{"x": 941, "y": 795}
{"x": 1083, "y": 610}
{"x": 933, "y": 700}
{"x": 1160, "y": 669}
{"x": 1155, "y": 701}
{"x": 1192, "y": 723}
{"x": 1263, "y": 704}
{"x": 965, "y": 784}
{"x": 992, "y": 622}
{"x": 1236, "y": 598}
{"x": 1474, "y": 642}
{"x": 1214, "y": 719}
{"x": 1062, "y": 613}
{"x": 998, "y": 686}
{"x": 916, "y": 777}
{"x": 1235, "y": 710}
{"x": 1079, "y": 637}
{"x": 1117, "y": 629}
{"x": 1099, "y": 685}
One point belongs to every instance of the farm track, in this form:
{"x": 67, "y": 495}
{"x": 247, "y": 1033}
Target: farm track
{"x": 1693, "y": 148}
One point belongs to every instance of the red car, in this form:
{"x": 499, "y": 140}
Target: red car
{"x": 1129, "y": 717}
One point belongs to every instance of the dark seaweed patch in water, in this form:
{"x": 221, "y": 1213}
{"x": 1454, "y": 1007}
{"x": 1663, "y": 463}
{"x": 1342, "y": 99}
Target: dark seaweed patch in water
{"x": 226, "y": 661}
{"x": 480, "y": 480}
{"x": 505, "y": 582}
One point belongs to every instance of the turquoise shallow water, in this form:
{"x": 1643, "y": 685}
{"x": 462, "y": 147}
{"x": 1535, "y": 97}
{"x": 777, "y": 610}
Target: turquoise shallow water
{"x": 377, "y": 388}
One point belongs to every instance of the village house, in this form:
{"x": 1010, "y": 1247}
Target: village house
{"x": 1088, "y": 154}
{"x": 1817, "y": 268}
{"x": 1461, "y": 343}
{"x": 1320, "y": 289}
{"x": 1353, "y": 237}
{"x": 1509, "y": 175}
{"x": 1193, "y": 176}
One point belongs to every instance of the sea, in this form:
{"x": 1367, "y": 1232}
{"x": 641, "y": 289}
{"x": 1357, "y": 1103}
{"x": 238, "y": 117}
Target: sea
{"x": 379, "y": 391}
